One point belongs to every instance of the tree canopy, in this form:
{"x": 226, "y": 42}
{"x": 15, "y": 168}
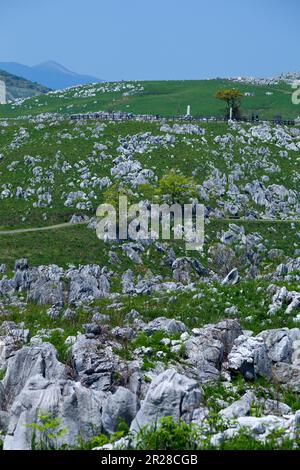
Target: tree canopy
{"x": 233, "y": 99}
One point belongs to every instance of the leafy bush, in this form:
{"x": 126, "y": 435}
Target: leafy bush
{"x": 58, "y": 338}
{"x": 167, "y": 435}
{"x": 112, "y": 193}
{"x": 97, "y": 441}
{"x": 176, "y": 188}
{"x": 46, "y": 432}
{"x": 103, "y": 439}
{"x": 290, "y": 398}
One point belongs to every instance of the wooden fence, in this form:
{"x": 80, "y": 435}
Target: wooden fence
{"x": 186, "y": 119}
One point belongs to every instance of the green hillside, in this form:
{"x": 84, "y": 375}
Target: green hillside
{"x": 63, "y": 142}
{"x": 46, "y": 161}
{"x": 160, "y": 97}
{"x": 49, "y": 158}
{"x": 18, "y": 87}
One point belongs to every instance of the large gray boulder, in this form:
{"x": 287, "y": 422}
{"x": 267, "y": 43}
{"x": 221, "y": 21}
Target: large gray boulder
{"x": 78, "y": 409}
{"x": 232, "y": 278}
{"x": 128, "y": 282}
{"x": 242, "y": 407}
{"x": 205, "y": 354}
{"x": 209, "y": 348}
{"x": 250, "y": 358}
{"x": 293, "y": 265}
{"x": 123, "y": 404}
{"x": 28, "y": 362}
{"x": 88, "y": 283}
{"x": 12, "y": 337}
{"x": 169, "y": 325}
{"x": 239, "y": 408}
{"x": 21, "y": 264}
{"x": 22, "y": 280}
{"x": 84, "y": 289}
{"x": 104, "y": 285}
{"x": 273, "y": 407}
{"x": 287, "y": 375}
{"x": 184, "y": 267}
{"x": 6, "y": 287}
{"x": 47, "y": 292}
{"x": 95, "y": 363}
{"x": 279, "y": 344}
{"x": 225, "y": 331}
{"x": 170, "y": 394}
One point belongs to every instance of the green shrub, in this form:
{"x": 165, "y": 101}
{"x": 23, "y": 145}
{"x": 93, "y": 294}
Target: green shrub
{"x": 176, "y": 188}
{"x": 112, "y": 193}
{"x": 167, "y": 435}
{"x": 46, "y": 432}
{"x": 57, "y": 338}
{"x": 97, "y": 441}
{"x": 103, "y": 439}
{"x": 290, "y": 398}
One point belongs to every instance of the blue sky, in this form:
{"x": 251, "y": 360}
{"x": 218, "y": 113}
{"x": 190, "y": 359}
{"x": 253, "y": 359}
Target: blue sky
{"x": 154, "y": 39}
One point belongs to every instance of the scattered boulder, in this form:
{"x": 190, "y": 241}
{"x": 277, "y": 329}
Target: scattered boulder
{"x": 250, "y": 358}
{"x": 123, "y": 404}
{"x": 209, "y": 347}
{"x": 78, "y": 409}
{"x": 94, "y": 363}
{"x": 184, "y": 267}
{"x": 287, "y": 375}
{"x": 47, "y": 292}
{"x": 169, "y": 325}
{"x": 21, "y": 265}
{"x": 232, "y": 278}
{"x": 170, "y": 394}
{"x": 279, "y": 344}
{"x": 28, "y": 362}
{"x": 239, "y": 408}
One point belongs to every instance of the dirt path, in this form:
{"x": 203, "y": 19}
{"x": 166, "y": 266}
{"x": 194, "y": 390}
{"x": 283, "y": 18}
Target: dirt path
{"x": 68, "y": 224}
{"x": 41, "y": 229}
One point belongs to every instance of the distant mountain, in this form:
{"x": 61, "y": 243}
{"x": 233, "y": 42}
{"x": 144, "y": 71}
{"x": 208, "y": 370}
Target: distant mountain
{"x": 50, "y": 74}
{"x": 17, "y": 87}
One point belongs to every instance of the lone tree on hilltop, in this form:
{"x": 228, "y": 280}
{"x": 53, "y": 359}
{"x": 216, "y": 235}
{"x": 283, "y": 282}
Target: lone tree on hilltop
{"x": 233, "y": 99}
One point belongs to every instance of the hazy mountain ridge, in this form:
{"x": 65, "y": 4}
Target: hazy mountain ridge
{"x": 50, "y": 74}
